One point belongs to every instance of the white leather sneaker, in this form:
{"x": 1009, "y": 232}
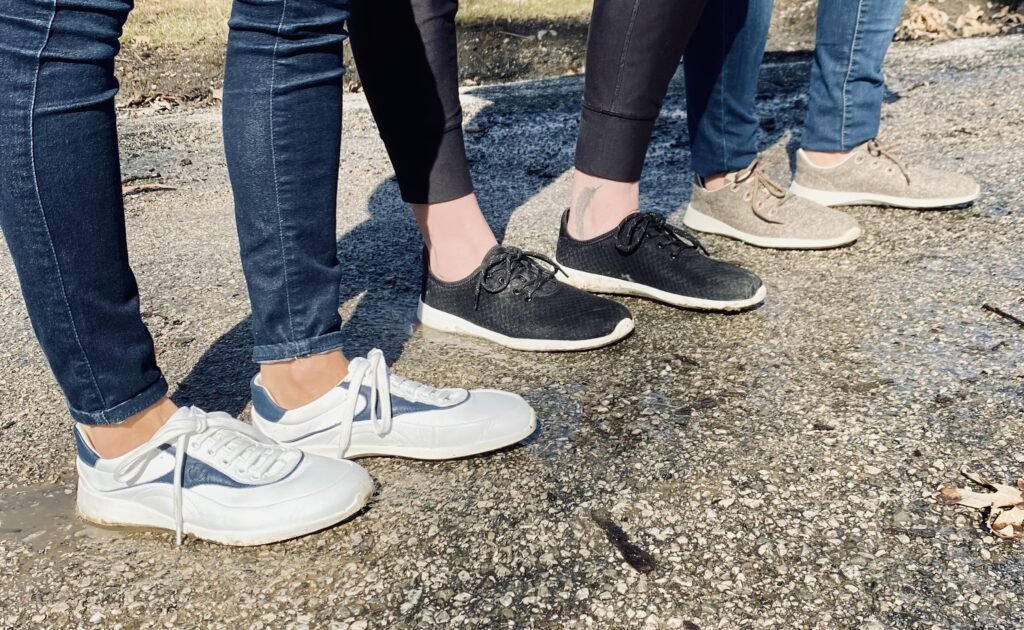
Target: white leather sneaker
{"x": 374, "y": 413}
{"x": 212, "y": 476}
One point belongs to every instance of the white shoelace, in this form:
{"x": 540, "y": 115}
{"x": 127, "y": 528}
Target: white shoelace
{"x": 224, "y": 443}
{"x": 374, "y": 372}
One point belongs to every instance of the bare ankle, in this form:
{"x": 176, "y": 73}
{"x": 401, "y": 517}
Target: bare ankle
{"x": 300, "y": 381}
{"x": 457, "y": 235}
{"x": 714, "y": 182}
{"x": 114, "y": 440}
{"x": 826, "y": 159}
{"x": 598, "y": 205}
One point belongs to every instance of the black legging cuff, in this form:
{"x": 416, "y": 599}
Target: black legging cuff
{"x": 432, "y": 171}
{"x": 612, "y": 147}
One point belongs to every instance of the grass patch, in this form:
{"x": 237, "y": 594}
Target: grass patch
{"x": 182, "y": 24}
{"x": 488, "y": 10}
{"x": 177, "y": 23}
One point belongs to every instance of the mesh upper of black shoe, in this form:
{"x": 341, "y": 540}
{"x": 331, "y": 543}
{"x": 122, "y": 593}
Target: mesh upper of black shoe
{"x": 514, "y": 294}
{"x": 646, "y": 249}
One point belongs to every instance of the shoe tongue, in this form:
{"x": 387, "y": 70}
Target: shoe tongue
{"x": 182, "y": 413}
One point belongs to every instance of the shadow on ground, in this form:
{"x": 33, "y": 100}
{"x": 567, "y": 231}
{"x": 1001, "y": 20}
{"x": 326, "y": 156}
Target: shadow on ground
{"x": 518, "y": 144}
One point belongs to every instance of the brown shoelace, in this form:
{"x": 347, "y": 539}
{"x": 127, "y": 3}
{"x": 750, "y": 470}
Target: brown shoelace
{"x": 875, "y": 149}
{"x": 763, "y": 184}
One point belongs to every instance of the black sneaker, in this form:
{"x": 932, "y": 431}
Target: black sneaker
{"x": 514, "y": 301}
{"x": 648, "y": 257}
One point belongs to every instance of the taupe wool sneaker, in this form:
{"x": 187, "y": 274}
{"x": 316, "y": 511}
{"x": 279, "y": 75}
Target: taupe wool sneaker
{"x": 750, "y": 207}
{"x": 873, "y": 176}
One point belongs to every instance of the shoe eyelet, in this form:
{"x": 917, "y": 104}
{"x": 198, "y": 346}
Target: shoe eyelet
{"x": 747, "y": 197}
{"x": 661, "y": 246}
{"x": 735, "y": 187}
{"x": 674, "y": 256}
{"x": 859, "y": 159}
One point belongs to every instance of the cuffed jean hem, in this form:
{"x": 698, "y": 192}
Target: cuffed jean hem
{"x": 122, "y": 411}
{"x": 441, "y": 176}
{"x": 294, "y": 349}
{"x": 612, "y": 147}
{"x": 817, "y": 141}
{"x": 706, "y": 168}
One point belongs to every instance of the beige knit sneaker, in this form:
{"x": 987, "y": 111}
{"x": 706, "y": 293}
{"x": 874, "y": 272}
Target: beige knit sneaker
{"x": 873, "y": 176}
{"x": 750, "y": 207}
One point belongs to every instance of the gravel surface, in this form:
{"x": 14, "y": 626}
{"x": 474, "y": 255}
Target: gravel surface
{"x": 767, "y": 469}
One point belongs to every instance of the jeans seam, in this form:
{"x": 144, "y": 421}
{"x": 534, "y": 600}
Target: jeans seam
{"x": 42, "y": 211}
{"x": 849, "y": 71}
{"x": 273, "y": 165}
{"x": 622, "y": 57}
{"x": 721, "y": 93}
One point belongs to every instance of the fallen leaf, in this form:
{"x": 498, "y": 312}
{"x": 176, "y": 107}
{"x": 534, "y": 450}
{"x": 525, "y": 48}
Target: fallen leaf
{"x": 925, "y": 21}
{"x": 1005, "y": 504}
{"x": 1004, "y": 496}
{"x": 1009, "y": 523}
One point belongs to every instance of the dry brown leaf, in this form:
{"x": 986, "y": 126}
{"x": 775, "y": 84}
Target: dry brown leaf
{"x": 974, "y": 22}
{"x": 1009, "y": 523}
{"x": 925, "y": 21}
{"x": 1004, "y": 496}
{"x": 1006, "y": 503}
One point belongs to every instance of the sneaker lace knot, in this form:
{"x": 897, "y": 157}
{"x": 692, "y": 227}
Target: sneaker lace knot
{"x": 763, "y": 185}
{"x": 214, "y": 435}
{"x": 875, "y": 149}
{"x": 637, "y": 227}
{"x": 504, "y": 265}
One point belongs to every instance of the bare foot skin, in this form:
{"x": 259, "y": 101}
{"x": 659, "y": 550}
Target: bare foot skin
{"x": 300, "y": 381}
{"x": 715, "y": 182}
{"x": 457, "y": 236}
{"x": 826, "y": 159}
{"x": 114, "y": 440}
{"x": 599, "y": 205}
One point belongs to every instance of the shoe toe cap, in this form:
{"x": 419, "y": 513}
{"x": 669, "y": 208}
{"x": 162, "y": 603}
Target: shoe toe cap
{"x": 733, "y": 283}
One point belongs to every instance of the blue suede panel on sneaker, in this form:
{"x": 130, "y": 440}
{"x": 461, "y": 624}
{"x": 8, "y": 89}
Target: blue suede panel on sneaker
{"x": 198, "y": 473}
{"x": 265, "y": 405}
{"x": 272, "y": 412}
{"x": 85, "y": 452}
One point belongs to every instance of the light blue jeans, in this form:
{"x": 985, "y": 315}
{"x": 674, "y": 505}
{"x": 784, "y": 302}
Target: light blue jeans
{"x": 723, "y": 61}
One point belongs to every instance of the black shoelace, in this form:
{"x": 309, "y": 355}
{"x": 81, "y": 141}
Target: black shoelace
{"x": 506, "y": 264}
{"x": 641, "y": 225}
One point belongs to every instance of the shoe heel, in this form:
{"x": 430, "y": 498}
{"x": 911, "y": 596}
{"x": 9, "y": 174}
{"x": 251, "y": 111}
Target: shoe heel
{"x": 697, "y": 220}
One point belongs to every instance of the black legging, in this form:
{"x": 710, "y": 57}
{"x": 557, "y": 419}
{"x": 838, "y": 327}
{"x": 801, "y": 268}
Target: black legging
{"x": 406, "y": 54}
{"x": 633, "y": 51}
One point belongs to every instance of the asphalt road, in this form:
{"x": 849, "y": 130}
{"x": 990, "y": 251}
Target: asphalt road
{"x": 767, "y": 469}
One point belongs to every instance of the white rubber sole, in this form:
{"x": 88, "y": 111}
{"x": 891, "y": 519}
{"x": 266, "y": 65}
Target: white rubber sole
{"x": 835, "y": 198}
{"x": 446, "y": 322}
{"x": 467, "y": 449}
{"x": 122, "y": 509}
{"x": 697, "y": 220}
{"x": 596, "y": 283}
